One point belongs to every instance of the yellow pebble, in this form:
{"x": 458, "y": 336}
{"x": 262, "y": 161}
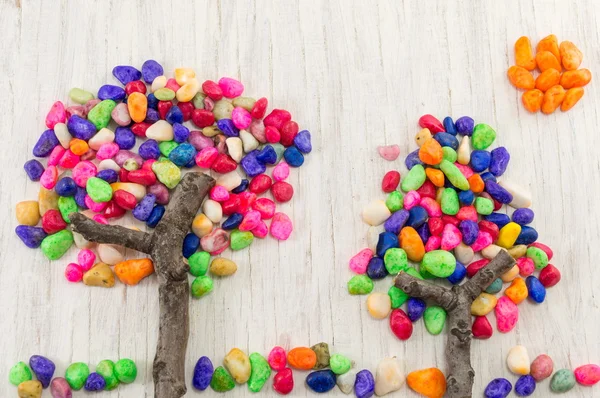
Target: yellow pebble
{"x": 188, "y": 90}
{"x": 422, "y": 136}
{"x": 99, "y": 275}
{"x": 222, "y": 267}
{"x": 510, "y": 275}
{"x": 184, "y": 75}
{"x": 483, "y": 304}
{"x": 238, "y": 364}
{"x": 508, "y": 235}
{"x": 517, "y": 251}
{"x": 30, "y": 389}
{"x": 137, "y": 105}
{"x": 47, "y": 199}
{"x": 201, "y": 225}
{"x": 137, "y": 190}
{"x": 28, "y": 212}
{"x": 379, "y": 305}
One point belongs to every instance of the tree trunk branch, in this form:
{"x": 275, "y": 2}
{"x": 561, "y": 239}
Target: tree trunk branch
{"x": 484, "y": 278}
{"x": 111, "y": 234}
{"x": 418, "y": 288}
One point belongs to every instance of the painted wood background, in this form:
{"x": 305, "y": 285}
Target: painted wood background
{"x": 357, "y": 74}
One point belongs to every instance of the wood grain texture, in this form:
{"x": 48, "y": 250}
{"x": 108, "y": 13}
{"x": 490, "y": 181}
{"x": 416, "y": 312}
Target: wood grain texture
{"x": 357, "y": 74}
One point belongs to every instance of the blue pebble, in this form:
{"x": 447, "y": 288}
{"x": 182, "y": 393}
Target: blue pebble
{"x": 251, "y": 165}
{"x": 183, "y": 154}
{"x": 466, "y": 197}
{"x": 126, "y": 74}
{"x": 149, "y": 150}
{"x": 537, "y": 291}
{"x": 152, "y": 101}
{"x": 480, "y": 160}
{"x": 523, "y": 216}
{"x": 151, "y": 70}
{"x": 464, "y": 125}
{"x": 487, "y": 176}
{"x": 387, "y": 240}
{"x": 45, "y": 144}
{"x": 500, "y": 219}
{"x": 446, "y": 139}
{"x": 31, "y": 236}
{"x": 494, "y": 287}
{"x": 302, "y": 141}
{"x": 95, "y": 382}
{"x": 497, "y": 192}
{"x": 233, "y": 221}
{"x": 293, "y": 156}
{"x": 174, "y": 115}
{"x": 228, "y": 128}
{"x": 108, "y": 175}
{"x": 321, "y": 380}
{"x": 449, "y": 125}
{"x": 458, "y": 275}
{"x": 34, "y": 169}
{"x": 364, "y": 385}
{"x": 396, "y": 221}
{"x": 242, "y": 187}
{"x": 124, "y": 138}
{"x": 203, "y": 372}
{"x": 81, "y": 128}
{"x": 415, "y": 307}
{"x": 469, "y": 230}
{"x": 157, "y": 212}
{"x": 66, "y": 186}
{"x": 111, "y": 92}
{"x": 527, "y": 236}
{"x": 143, "y": 209}
{"x": 191, "y": 163}
{"x": 498, "y": 388}
{"x": 525, "y": 386}
{"x": 180, "y": 133}
{"x": 417, "y": 217}
{"x": 267, "y": 155}
{"x": 412, "y": 159}
{"x": 424, "y": 232}
{"x": 191, "y": 243}
{"x": 376, "y": 268}
{"x": 80, "y": 198}
{"x": 43, "y": 369}
{"x": 499, "y": 161}
{"x": 152, "y": 116}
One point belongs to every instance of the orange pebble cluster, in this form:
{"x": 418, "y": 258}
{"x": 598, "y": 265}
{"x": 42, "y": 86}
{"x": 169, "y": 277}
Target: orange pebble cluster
{"x": 552, "y": 88}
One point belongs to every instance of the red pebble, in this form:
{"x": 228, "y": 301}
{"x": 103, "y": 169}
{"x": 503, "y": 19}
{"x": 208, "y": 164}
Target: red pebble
{"x": 390, "y": 181}
{"x": 142, "y": 176}
{"x": 260, "y": 184}
{"x": 277, "y": 118}
{"x": 123, "y": 173}
{"x": 549, "y": 276}
{"x": 272, "y": 134}
{"x": 52, "y": 222}
{"x": 231, "y": 205}
{"x": 467, "y": 213}
{"x": 147, "y": 165}
{"x": 446, "y": 219}
{"x": 124, "y": 199}
{"x": 173, "y": 85}
{"x": 490, "y": 228}
{"x": 283, "y": 382}
{"x": 526, "y": 266}
{"x": 246, "y": 201}
{"x": 282, "y": 191}
{"x": 289, "y": 130}
{"x": 202, "y": 118}
{"x": 265, "y": 206}
{"x": 259, "y": 108}
{"x": 544, "y": 248}
{"x": 400, "y": 324}
{"x": 113, "y": 210}
{"x": 427, "y": 190}
{"x": 68, "y": 160}
{"x": 436, "y": 226}
{"x": 186, "y": 109}
{"x": 163, "y": 108}
{"x": 224, "y": 164}
{"x": 475, "y": 266}
{"x": 212, "y": 90}
{"x": 587, "y": 375}
{"x": 482, "y": 329}
{"x": 432, "y": 123}
{"x": 139, "y": 129}
{"x": 136, "y": 86}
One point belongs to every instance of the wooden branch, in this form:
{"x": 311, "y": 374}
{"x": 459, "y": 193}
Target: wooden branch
{"x": 418, "y": 288}
{"x": 484, "y": 278}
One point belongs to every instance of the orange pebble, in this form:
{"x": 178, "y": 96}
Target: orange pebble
{"x": 575, "y": 78}
{"x": 520, "y": 77}
{"x": 548, "y": 78}
{"x": 435, "y": 176}
{"x": 572, "y": 96}
{"x": 428, "y": 382}
{"x": 546, "y": 60}
{"x": 78, "y": 147}
{"x": 532, "y": 100}
{"x": 549, "y": 43}
{"x": 302, "y": 358}
{"x": 131, "y": 272}
{"x": 137, "y": 105}
{"x": 524, "y": 54}
{"x": 553, "y": 98}
{"x": 570, "y": 55}
{"x": 431, "y": 152}
{"x": 476, "y": 183}
{"x": 517, "y": 291}
{"x": 412, "y": 244}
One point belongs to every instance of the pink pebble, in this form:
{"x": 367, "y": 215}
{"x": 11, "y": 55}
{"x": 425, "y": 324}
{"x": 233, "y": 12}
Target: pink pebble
{"x": 390, "y": 152}
{"x": 261, "y": 230}
{"x": 451, "y": 237}
{"x": 78, "y": 110}
{"x": 465, "y": 170}
{"x": 55, "y": 156}
{"x": 216, "y": 241}
{"x": 83, "y": 171}
{"x": 120, "y": 114}
{"x": 124, "y": 155}
{"x": 107, "y": 151}
{"x": 206, "y": 157}
{"x": 467, "y": 213}
{"x": 241, "y": 118}
{"x": 172, "y": 84}
{"x": 73, "y": 272}
{"x": 250, "y": 221}
{"x": 432, "y": 207}
{"x": 544, "y": 248}
{"x": 484, "y": 239}
{"x": 433, "y": 243}
{"x": 56, "y": 115}
{"x": 68, "y": 160}
{"x": 147, "y": 165}
{"x": 542, "y": 367}
{"x": 209, "y": 104}
{"x": 265, "y": 206}
{"x": 411, "y": 199}
{"x": 89, "y": 155}
{"x": 90, "y": 104}
{"x": 507, "y": 314}
{"x": 277, "y": 358}
{"x": 281, "y": 171}
{"x": 96, "y": 207}
{"x": 281, "y": 226}
{"x": 360, "y": 261}
{"x": 231, "y": 88}
{"x": 526, "y": 266}
{"x": 86, "y": 259}
{"x": 587, "y": 375}
{"x": 200, "y": 141}
{"x": 257, "y": 129}
{"x": 219, "y": 193}
{"x": 49, "y": 177}
{"x": 100, "y": 219}
{"x": 220, "y": 143}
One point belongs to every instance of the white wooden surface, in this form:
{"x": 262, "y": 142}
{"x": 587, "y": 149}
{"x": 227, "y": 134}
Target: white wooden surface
{"x": 357, "y": 75}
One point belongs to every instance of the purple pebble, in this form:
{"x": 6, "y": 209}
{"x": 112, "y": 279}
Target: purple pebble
{"x": 151, "y": 70}
{"x": 396, "y": 221}
{"x": 251, "y": 165}
{"x": 80, "y": 198}
{"x": 180, "y": 133}
{"x": 415, "y": 307}
{"x": 464, "y": 125}
{"x": 364, "y": 385}
{"x": 111, "y": 92}
{"x": 203, "y": 372}
{"x": 161, "y": 192}
{"x": 424, "y": 232}
{"x": 499, "y": 161}
{"x": 469, "y": 230}
{"x": 152, "y": 116}
{"x": 498, "y": 388}
{"x": 302, "y": 141}
{"x": 228, "y": 128}
{"x": 124, "y": 155}
{"x": 45, "y": 144}
{"x": 81, "y": 128}
{"x": 43, "y": 369}
{"x": 523, "y": 216}
{"x": 200, "y": 141}
{"x": 149, "y": 150}
{"x": 143, "y": 209}
{"x": 95, "y": 382}
{"x": 34, "y": 169}
{"x": 412, "y": 159}
{"x": 124, "y": 138}
{"x": 108, "y": 175}
{"x": 497, "y": 192}
{"x": 525, "y": 386}
{"x": 31, "y": 236}
{"x": 126, "y": 74}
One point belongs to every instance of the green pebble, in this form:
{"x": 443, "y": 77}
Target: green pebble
{"x": 199, "y": 262}
{"x": 395, "y": 260}
{"x": 484, "y": 206}
{"x": 55, "y": 245}
{"x": 439, "y": 263}
{"x": 414, "y": 273}
{"x": 397, "y": 296}
{"x": 449, "y": 154}
{"x": 483, "y": 136}
{"x": 67, "y": 205}
{"x": 360, "y": 284}
{"x": 167, "y": 172}
{"x": 279, "y": 149}
{"x": 322, "y": 351}
{"x": 395, "y": 201}
{"x": 495, "y": 286}
{"x": 198, "y": 100}
{"x": 435, "y": 318}
{"x": 539, "y": 257}
{"x": 125, "y": 370}
{"x": 221, "y": 380}
{"x": 339, "y": 364}
{"x": 414, "y": 179}
{"x": 100, "y": 114}
{"x": 454, "y": 175}
{"x": 449, "y": 203}
{"x": 222, "y": 109}
{"x": 164, "y": 94}
{"x": 562, "y": 381}
{"x": 239, "y": 240}
{"x": 202, "y": 285}
{"x": 98, "y": 189}
{"x": 80, "y": 96}
{"x": 424, "y": 274}
{"x": 106, "y": 369}
{"x": 76, "y": 375}
{"x": 19, "y": 373}
{"x": 166, "y": 147}
{"x": 244, "y": 102}
{"x": 260, "y": 372}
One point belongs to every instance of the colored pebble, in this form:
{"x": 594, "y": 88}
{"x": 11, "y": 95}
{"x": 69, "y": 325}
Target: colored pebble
{"x": 429, "y": 382}
{"x": 106, "y": 369}
{"x": 59, "y": 388}
{"x": 435, "y": 319}
{"x": 43, "y": 368}
{"x": 237, "y": 364}
{"x": 221, "y": 380}
{"x": 56, "y": 245}
{"x": 203, "y": 372}
{"x": 30, "y": 389}
{"x": 389, "y": 153}
{"x": 413, "y": 180}
{"x": 400, "y": 324}
{"x": 94, "y": 382}
{"x": 525, "y": 386}
{"x": 364, "y": 384}
{"x": 339, "y": 364}
{"x": 507, "y": 314}
{"x": 76, "y": 375}
{"x": 283, "y": 382}
{"x": 323, "y": 356}
{"x": 415, "y": 308}
{"x": 19, "y": 373}
{"x": 498, "y": 388}
{"x": 277, "y": 358}
{"x": 321, "y": 381}
{"x": 518, "y": 361}
{"x": 302, "y": 358}
{"x": 536, "y": 290}
{"x": 562, "y": 381}
{"x": 439, "y": 263}
{"x": 389, "y": 376}
{"x": 482, "y": 329}
{"x": 201, "y": 286}
{"x": 542, "y": 367}
{"x": 587, "y": 375}
{"x": 539, "y": 257}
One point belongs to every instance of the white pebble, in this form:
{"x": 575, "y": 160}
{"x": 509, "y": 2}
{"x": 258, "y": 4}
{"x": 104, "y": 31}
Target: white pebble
{"x": 230, "y": 180}
{"x": 110, "y": 254}
{"x": 375, "y": 213}
{"x": 81, "y": 242}
{"x": 464, "y": 150}
{"x": 463, "y": 253}
{"x": 248, "y": 141}
{"x": 104, "y": 136}
{"x": 62, "y": 133}
{"x": 491, "y": 251}
{"x": 389, "y": 376}
{"x": 373, "y": 237}
{"x": 121, "y": 115}
{"x": 346, "y": 381}
{"x": 108, "y": 164}
{"x": 379, "y": 305}
{"x": 158, "y": 83}
{"x": 234, "y": 147}
{"x": 212, "y": 210}
{"x": 521, "y": 198}
{"x": 160, "y": 131}
{"x": 518, "y": 360}
{"x": 137, "y": 190}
